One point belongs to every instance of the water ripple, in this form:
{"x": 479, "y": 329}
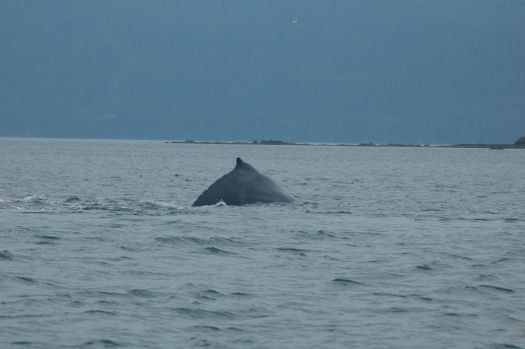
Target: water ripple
{"x": 217, "y": 251}
{"x": 346, "y": 281}
{"x": 6, "y": 255}
{"x": 104, "y": 343}
{"x": 199, "y": 313}
{"x": 497, "y": 288}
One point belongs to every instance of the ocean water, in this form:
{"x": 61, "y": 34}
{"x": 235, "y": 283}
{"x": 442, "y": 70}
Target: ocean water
{"x": 383, "y": 248}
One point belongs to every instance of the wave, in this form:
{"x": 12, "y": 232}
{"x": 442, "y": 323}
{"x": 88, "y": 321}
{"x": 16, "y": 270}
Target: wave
{"x": 99, "y": 312}
{"x": 345, "y": 281}
{"x": 298, "y": 251}
{"x": 218, "y": 251}
{"x": 199, "y": 313}
{"x": 497, "y": 288}
{"x": 141, "y": 293}
{"x": 24, "y": 279}
{"x": 105, "y": 343}
{"x": 192, "y": 240}
{"x": 6, "y": 255}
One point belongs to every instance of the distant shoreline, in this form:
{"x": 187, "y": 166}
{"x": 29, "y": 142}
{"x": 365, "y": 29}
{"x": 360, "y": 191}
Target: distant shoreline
{"x": 495, "y": 146}
{"x": 387, "y": 145}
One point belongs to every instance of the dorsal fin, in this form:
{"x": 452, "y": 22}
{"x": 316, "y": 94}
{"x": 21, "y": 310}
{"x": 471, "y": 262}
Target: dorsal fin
{"x": 243, "y": 165}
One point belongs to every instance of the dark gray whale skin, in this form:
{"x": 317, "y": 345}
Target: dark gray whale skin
{"x": 241, "y": 186}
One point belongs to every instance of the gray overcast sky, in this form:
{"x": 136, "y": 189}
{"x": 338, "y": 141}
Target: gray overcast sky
{"x": 413, "y": 71}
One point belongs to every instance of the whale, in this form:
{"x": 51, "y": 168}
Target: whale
{"x": 242, "y": 186}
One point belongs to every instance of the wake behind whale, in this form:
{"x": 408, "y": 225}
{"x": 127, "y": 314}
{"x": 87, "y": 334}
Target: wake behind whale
{"x": 243, "y": 185}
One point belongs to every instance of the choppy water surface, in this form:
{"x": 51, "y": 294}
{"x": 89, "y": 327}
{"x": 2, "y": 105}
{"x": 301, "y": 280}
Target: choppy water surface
{"x": 390, "y": 247}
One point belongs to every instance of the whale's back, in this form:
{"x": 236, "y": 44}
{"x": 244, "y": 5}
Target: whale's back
{"x": 243, "y": 185}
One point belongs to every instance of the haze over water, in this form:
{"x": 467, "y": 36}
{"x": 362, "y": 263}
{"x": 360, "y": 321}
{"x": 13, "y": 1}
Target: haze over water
{"x": 384, "y": 247}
